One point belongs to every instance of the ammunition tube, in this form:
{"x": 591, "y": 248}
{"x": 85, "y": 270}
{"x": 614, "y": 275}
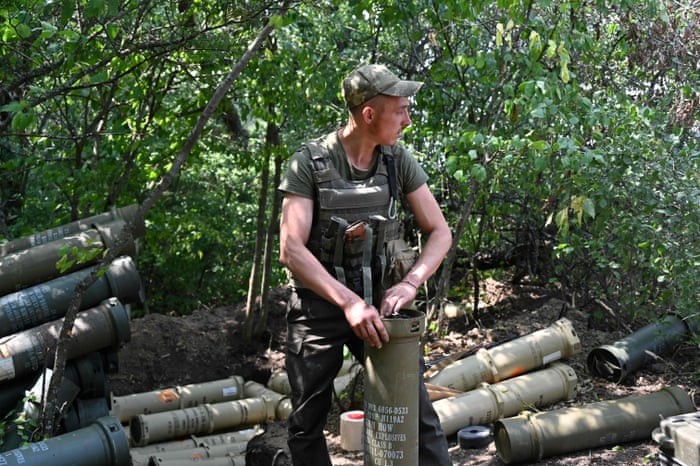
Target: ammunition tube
{"x": 37, "y": 265}
{"x": 219, "y": 461}
{"x": 614, "y": 362}
{"x": 279, "y": 379}
{"x": 194, "y": 454}
{"x": 530, "y": 437}
{"x": 146, "y": 429}
{"x": 102, "y": 443}
{"x": 516, "y": 357}
{"x": 489, "y": 403}
{"x": 179, "y": 397}
{"x": 127, "y": 214}
{"x": 391, "y": 401}
{"x": 192, "y": 441}
{"x": 279, "y": 405}
{"x": 50, "y": 300}
{"x": 29, "y": 351}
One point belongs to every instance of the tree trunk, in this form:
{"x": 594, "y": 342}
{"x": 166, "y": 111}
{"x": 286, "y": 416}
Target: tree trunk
{"x": 255, "y": 270}
{"x": 51, "y": 412}
{"x": 446, "y": 273}
{"x": 272, "y": 230}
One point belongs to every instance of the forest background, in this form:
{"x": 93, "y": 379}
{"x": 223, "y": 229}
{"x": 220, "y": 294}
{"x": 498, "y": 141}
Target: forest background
{"x": 561, "y": 137}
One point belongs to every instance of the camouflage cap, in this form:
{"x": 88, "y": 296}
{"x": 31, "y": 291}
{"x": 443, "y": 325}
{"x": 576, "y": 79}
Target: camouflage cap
{"x": 369, "y": 81}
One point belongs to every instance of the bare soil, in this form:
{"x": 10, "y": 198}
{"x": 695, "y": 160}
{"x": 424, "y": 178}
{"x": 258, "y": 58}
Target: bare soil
{"x": 167, "y": 351}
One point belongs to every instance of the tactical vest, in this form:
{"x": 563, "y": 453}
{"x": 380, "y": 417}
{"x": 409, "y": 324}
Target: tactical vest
{"x": 353, "y": 221}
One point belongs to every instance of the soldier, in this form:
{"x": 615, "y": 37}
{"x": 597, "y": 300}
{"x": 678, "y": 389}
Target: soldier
{"x": 340, "y": 192}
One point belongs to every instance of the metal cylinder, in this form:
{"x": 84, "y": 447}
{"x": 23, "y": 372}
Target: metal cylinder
{"x": 279, "y": 382}
{"x": 83, "y": 412}
{"x": 50, "y": 300}
{"x": 193, "y": 441}
{"x": 279, "y": 379}
{"x": 195, "y": 454}
{"x": 89, "y": 372}
{"x": 512, "y": 358}
{"x": 614, "y": 362}
{"x": 37, "y": 265}
{"x": 192, "y": 454}
{"x": 218, "y": 461}
{"x": 489, "y": 403}
{"x": 531, "y": 437}
{"x": 392, "y": 377}
{"x": 277, "y": 403}
{"x": 178, "y": 397}
{"x": 102, "y": 443}
{"x": 206, "y": 418}
{"x": 127, "y": 214}
{"x": 29, "y": 351}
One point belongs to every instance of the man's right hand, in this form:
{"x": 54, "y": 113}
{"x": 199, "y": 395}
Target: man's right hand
{"x": 366, "y": 323}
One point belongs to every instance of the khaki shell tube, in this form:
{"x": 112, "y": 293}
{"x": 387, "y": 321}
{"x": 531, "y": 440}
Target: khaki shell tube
{"x": 50, "y": 300}
{"x": 280, "y": 404}
{"x": 193, "y": 441}
{"x": 29, "y": 351}
{"x": 127, "y": 214}
{"x": 38, "y": 264}
{"x": 208, "y": 418}
{"x": 103, "y": 443}
{"x": 392, "y": 377}
{"x": 487, "y": 404}
{"x": 531, "y": 437}
{"x": 192, "y": 454}
{"x": 178, "y": 397}
{"x": 516, "y": 357}
{"x": 218, "y": 461}
{"x": 279, "y": 379}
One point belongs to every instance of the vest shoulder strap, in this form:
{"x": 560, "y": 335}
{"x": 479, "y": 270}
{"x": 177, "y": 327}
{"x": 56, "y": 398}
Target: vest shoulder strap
{"x": 391, "y": 171}
{"x": 324, "y": 170}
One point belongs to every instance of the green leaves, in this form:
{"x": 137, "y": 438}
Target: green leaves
{"x": 552, "y": 114}
{"x": 23, "y": 117}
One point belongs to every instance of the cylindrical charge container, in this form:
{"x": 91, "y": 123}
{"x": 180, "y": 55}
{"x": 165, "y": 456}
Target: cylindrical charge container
{"x": 102, "y": 443}
{"x": 489, "y": 403}
{"x": 531, "y": 437}
{"x": 279, "y": 379}
{"x": 512, "y": 358}
{"x": 217, "y": 461}
{"x": 179, "y": 397}
{"x": 392, "y": 377}
{"x": 264, "y": 405}
{"x": 192, "y": 441}
{"x": 29, "y": 351}
{"x": 128, "y": 214}
{"x": 37, "y": 265}
{"x": 202, "y": 453}
{"x": 614, "y": 362}
{"x": 280, "y": 405}
{"x": 50, "y": 300}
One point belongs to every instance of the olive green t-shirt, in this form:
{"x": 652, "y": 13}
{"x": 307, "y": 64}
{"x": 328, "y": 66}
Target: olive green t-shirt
{"x": 299, "y": 177}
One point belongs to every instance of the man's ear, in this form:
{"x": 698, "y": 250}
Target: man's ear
{"x": 368, "y": 113}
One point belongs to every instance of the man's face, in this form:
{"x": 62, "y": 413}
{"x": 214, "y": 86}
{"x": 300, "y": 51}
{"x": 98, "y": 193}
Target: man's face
{"x": 389, "y": 118}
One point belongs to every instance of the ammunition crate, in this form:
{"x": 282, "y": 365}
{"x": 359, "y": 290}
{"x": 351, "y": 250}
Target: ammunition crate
{"x": 679, "y": 440}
